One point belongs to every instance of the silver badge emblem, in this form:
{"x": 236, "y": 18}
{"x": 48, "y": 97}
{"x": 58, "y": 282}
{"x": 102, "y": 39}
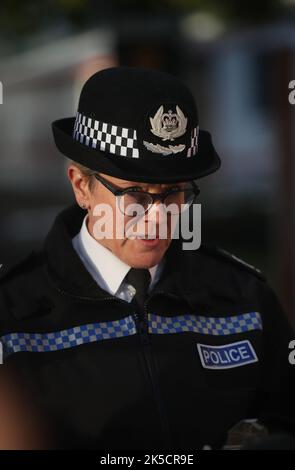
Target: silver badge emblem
{"x": 168, "y": 125}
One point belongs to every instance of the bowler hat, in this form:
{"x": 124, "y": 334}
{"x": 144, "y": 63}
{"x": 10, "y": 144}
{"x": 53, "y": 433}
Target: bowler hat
{"x": 139, "y": 125}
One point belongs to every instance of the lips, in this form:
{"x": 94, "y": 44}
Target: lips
{"x": 148, "y": 242}
{"x": 146, "y": 237}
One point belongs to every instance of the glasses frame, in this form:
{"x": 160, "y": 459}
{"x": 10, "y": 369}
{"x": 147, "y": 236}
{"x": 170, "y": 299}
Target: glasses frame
{"x": 154, "y": 196}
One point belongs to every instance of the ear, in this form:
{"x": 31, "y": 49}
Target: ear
{"x": 80, "y": 186}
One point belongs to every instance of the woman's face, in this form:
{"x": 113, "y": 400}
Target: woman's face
{"x": 105, "y": 217}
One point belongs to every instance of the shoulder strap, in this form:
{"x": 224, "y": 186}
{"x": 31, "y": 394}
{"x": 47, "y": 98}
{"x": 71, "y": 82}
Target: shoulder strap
{"x": 227, "y": 256}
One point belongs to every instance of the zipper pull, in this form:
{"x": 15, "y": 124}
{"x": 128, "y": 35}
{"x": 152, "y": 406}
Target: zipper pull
{"x": 142, "y": 327}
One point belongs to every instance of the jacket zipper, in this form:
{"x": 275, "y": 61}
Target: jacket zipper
{"x": 141, "y": 320}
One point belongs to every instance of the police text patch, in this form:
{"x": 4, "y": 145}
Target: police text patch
{"x": 227, "y": 356}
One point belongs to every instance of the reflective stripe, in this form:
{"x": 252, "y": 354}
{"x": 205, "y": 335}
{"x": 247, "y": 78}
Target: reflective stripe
{"x": 92, "y": 332}
{"x": 54, "y": 341}
{"x": 217, "y": 326}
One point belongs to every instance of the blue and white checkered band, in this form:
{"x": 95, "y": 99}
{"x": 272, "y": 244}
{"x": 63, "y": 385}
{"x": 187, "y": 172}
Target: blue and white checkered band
{"x": 93, "y": 332}
{"x": 119, "y": 140}
{"x": 216, "y": 326}
{"x": 47, "y": 342}
{"x": 106, "y": 137}
{"x": 193, "y": 148}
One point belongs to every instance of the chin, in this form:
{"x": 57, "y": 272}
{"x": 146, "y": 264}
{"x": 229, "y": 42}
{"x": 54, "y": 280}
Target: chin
{"x": 145, "y": 260}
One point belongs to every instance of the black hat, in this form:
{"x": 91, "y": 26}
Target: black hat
{"x": 139, "y": 125}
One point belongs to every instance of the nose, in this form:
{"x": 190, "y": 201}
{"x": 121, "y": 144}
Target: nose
{"x": 157, "y": 212}
{"x": 156, "y": 220}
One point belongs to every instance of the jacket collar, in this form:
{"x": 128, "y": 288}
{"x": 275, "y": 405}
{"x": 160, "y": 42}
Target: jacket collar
{"x": 187, "y": 275}
{"x": 64, "y": 266}
{"x": 68, "y": 271}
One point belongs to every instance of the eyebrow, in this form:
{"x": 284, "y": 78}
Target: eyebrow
{"x": 143, "y": 188}
{"x": 137, "y": 184}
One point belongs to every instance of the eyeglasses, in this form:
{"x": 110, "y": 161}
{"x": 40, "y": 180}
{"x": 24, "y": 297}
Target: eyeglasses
{"x": 133, "y": 201}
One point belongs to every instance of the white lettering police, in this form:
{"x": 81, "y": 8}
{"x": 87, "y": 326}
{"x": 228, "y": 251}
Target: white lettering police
{"x": 227, "y": 356}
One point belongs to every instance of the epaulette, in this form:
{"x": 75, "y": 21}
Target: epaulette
{"x": 227, "y": 256}
{"x": 20, "y": 264}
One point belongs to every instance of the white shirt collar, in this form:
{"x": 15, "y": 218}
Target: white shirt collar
{"x": 106, "y": 264}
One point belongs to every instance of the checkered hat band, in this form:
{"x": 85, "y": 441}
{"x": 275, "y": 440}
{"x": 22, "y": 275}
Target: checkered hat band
{"x": 193, "y": 148}
{"x": 216, "y": 326}
{"x": 72, "y": 337}
{"x": 106, "y": 137}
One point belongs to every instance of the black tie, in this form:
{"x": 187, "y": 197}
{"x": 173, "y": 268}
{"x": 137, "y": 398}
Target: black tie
{"x": 140, "y": 279}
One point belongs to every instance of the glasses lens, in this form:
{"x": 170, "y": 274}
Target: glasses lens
{"x": 134, "y": 203}
{"x": 179, "y": 201}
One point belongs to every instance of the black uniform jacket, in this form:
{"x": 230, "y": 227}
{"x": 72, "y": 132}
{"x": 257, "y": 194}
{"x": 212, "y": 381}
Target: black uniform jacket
{"x": 209, "y": 350}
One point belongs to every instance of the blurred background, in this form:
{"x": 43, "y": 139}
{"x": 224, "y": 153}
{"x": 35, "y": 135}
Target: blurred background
{"x": 238, "y": 59}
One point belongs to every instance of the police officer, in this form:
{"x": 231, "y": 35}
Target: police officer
{"x": 133, "y": 342}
